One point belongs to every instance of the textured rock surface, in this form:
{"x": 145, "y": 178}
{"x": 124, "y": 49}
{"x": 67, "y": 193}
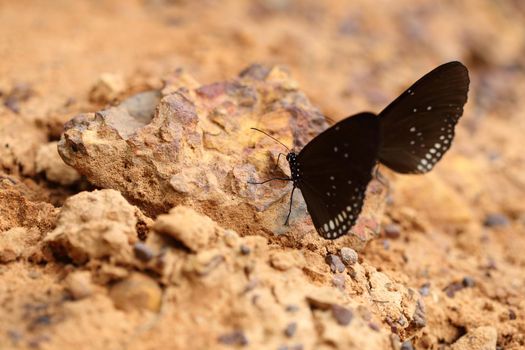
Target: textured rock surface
{"x": 193, "y": 145}
{"x": 48, "y": 161}
{"x": 23, "y": 205}
{"x": 98, "y": 224}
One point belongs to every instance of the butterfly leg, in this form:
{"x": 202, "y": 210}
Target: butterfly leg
{"x": 275, "y": 178}
{"x": 290, "y": 209}
{"x": 277, "y": 163}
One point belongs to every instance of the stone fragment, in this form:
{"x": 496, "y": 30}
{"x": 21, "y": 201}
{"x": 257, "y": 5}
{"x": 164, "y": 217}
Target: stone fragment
{"x": 204, "y": 262}
{"x": 419, "y": 317}
{"x": 335, "y": 263}
{"x": 290, "y": 329}
{"x": 137, "y": 292}
{"x": 349, "y": 256}
{"x": 187, "y": 226}
{"x": 19, "y": 141}
{"x": 282, "y": 260}
{"x": 23, "y": 206}
{"x": 143, "y": 252}
{"x": 98, "y": 224}
{"x": 407, "y": 345}
{"x": 234, "y": 338}
{"x": 108, "y": 87}
{"x": 49, "y": 162}
{"x": 16, "y": 241}
{"x": 496, "y": 220}
{"x": 193, "y": 145}
{"x": 392, "y": 231}
{"x": 481, "y": 338}
{"x": 79, "y": 284}
{"x": 342, "y": 315}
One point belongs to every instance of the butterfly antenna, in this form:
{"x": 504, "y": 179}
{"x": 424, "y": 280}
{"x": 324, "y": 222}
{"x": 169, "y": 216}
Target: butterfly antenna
{"x": 273, "y": 138}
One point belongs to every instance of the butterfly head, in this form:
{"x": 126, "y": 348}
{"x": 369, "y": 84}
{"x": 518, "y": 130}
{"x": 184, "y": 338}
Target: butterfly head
{"x": 291, "y": 157}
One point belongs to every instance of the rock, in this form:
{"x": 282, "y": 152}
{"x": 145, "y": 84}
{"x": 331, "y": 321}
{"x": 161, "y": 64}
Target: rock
{"x": 107, "y": 88}
{"x": 79, "y": 284}
{"x": 143, "y": 252}
{"x": 245, "y": 250}
{"x": 283, "y": 260}
{"x": 349, "y": 256}
{"x": 204, "y": 262}
{"x": 98, "y": 224}
{"x": 137, "y": 292}
{"x": 342, "y": 315}
{"x": 234, "y": 338}
{"x": 192, "y": 145}
{"x": 187, "y": 226}
{"x": 468, "y": 282}
{"x": 392, "y": 231}
{"x": 17, "y": 241}
{"x": 48, "y": 161}
{"x": 496, "y": 220}
{"x": 24, "y": 206}
{"x": 290, "y": 330}
{"x": 424, "y": 290}
{"x": 419, "y": 317}
{"x": 481, "y": 338}
{"x": 19, "y": 141}
{"x": 335, "y": 263}
{"x": 407, "y": 345}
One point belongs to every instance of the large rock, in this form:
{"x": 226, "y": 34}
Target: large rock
{"x": 98, "y": 224}
{"x": 193, "y": 145}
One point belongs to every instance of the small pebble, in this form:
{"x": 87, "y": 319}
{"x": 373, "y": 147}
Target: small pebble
{"x": 34, "y": 274}
{"x": 392, "y": 231}
{"x": 79, "y": 284}
{"x": 373, "y": 326}
{"x": 386, "y": 244}
{"x": 336, "y": 265}
{"x": 424, "y": 290}
{"x": 349, "y": 256}
{"x": 468, "y": 282}
{"x": 245, "y": 250}
{"x": 234, "y": 338}
{"x": 419, "y": 317}
{"x": 512, "y": 314}
{"x": 496, "y": 220}
{"x": 138, "y": 291}
{"x": 290, "y": 329}
{"x": 342, "y": 315}
{"x": 453, "y": 288}
{"x": 339, "y": 281}
{"x": 142, "y": 252}
{"x": 292, "y": 308}
{"x": 407, "y": 345}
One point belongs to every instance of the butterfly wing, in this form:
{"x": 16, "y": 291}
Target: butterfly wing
{"x": 418, "y": 127}
{"x": 335, "y": 169}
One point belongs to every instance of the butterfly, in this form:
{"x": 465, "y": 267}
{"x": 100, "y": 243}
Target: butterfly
{"x": 409, "y": 136}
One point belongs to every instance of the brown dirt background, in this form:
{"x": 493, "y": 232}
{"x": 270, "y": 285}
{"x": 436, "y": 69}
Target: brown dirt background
{"x": 347, "y": 57}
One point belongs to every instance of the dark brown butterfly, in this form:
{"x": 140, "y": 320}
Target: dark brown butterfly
{"x": 409, "y": 136}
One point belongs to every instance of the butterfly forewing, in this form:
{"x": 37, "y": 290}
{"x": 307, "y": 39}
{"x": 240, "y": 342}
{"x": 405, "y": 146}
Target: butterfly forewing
{"x": 418, "y": 127}
{"x": 335, "y": 169}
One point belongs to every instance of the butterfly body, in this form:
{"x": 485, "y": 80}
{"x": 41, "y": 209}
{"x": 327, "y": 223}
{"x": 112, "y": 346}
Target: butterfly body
{"x": 409, "y": 136}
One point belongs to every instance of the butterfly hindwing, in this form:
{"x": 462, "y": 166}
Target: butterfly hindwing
{"x": 335, "y": 169}
{"x": 418, "y": 127}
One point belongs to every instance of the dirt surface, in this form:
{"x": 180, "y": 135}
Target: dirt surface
{"x": 123, "y": 228}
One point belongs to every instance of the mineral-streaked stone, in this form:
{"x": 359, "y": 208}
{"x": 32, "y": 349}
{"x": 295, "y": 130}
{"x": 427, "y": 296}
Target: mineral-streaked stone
{"x": 193, "y": 145}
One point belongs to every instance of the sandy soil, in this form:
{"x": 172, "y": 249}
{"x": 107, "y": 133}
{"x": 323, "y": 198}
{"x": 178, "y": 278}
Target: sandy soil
{"x": 85, "y": 264}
